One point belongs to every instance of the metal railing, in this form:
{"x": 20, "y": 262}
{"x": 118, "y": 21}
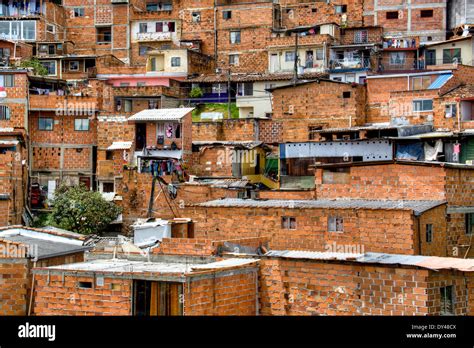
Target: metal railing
{"x": 350, "y": 63}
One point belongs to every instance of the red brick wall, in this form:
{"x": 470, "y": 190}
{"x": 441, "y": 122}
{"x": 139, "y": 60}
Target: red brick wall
{"x": 294, "y": 287}
{"x": 226, "y": 130}
{"x": 233, "y": 294}
{"x": 361, "y": 227}
{"x": 301, "y": 106}
{"x": 64, "y": 297}
{"x": 13, "y": 287}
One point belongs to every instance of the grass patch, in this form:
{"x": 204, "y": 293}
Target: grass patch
{"x": 216, "y": 107}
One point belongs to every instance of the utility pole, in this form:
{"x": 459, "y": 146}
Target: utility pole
{"x": 228, "y": 92}
{"x": 295, "y": 77}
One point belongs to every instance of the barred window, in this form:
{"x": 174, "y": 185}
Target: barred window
{"x": 4, "y": 112}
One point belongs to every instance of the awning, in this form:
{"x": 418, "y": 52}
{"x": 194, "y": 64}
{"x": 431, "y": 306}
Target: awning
{"x": 161, "y": 114}
{"x": 440, "y": 81}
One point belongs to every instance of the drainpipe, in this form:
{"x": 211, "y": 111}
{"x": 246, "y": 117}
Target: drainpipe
{"x": 215, "y": 31}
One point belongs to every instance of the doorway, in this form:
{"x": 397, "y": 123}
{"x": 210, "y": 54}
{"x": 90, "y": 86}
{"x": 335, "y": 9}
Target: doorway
{"x": 157, "y": 298}
{"x": 140, "y": 135}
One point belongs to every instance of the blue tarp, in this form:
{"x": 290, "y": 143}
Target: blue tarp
{"x": 440, "y": 81}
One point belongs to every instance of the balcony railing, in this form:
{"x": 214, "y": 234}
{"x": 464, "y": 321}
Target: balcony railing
{"x": 387, "y": 64}
{"x": 350, "y": 63}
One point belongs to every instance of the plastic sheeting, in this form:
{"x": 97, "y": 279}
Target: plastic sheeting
{"x": 431, "y": 152}
{"x": 410, "y": 151}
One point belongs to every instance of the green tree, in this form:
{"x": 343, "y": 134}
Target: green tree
{"x": 80, "y": 210}
{"x": 38, "y": 68}
{"x": 196, "y": 92}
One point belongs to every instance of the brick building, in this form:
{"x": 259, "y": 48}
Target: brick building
{"x": 189, "y": 286}
{"x": 24, "y": 248}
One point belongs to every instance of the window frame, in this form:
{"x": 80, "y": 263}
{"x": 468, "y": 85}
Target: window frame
{"x": 79, "y": 10}
{"x": 422, "y": 101}
{"x": 237, "y": 37}
{"x": 175, "y": 62}
{"x": 5, "y": 113}
{"x": 78, "y": 65}
{"x": 81, "y": 128}
{"x": 100, "y": 28}
{"x": 55, "y": 66}
{"x": 469, "y": 222}
{"x": 234, "y": 59}
{"x": 389, "y": 15}
{"x": 332, "y": 226}
{"x": 451, "y": 298}
{"x": 429, "y": 233}
{"x": 288, "y": 223}
{"x": 44, "y": 119}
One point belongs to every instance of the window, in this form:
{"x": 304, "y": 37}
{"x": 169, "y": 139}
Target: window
{"x": 153, "y": 64}
{"x": 124, "y": 84}
{"x": 420, "y": 82}
{"x": 426, "y": 13}
{"x": 423, "y": 105}
{"x": 4, "y": 52}
{"x": 45, "y": 124}
{"x": 108, "y": 187}
{"x": 313, "y": 132}
{"x": 429, "y": 233}
{"x": 127, "y": 105}
{"x": 50, "y": 66}
{"x": 335, "y": 224}
{"x": 346, "y": 95}
{"x": 392, "y": 15}
{"x": 288, "y": 223}
{"x": 233, "y": 59}
{"x": 153, "y": 104}
{"x": 141, "y": 83}
{"x": 469, "y": 223}
{"x": 397, "y": 58}
{"x": 450, "y": 110}
{"x": 226, "y": 14}
{"x": 78, "y": 11}
{"x": 245, "y": 89}
{"x": 143, "y": 50}
{"x": 7, "y": 80}
{"x": 341, "y": 8}
{"x": 451, "y": 55}
{"x": 85, "y": 285}
{"x": 50, "y": 28}
{"x": 81, "y": 124}
{"x": 175, "y": 61}
{"x": 104, "y": 34}
{"x": 289, "y": 56}
{"x": 196, "y": 16}
{"x": 142, "y": 27}
{"x": 109, "y": 155}
{"x": 74, "y": 65}
{"x": 361, "y": 36}
{"x": 4, "y": 112}
{"x": 447, "y": 300}
{"x": 51, "y": 49}
{"x": 18, "y": 30}
{"x": 235, "y": 37}
{"x": 319, "y": 54}
{"x": 218, "y": 88}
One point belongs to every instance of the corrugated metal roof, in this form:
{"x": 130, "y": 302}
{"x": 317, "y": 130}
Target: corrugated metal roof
{"x": 42, "y": 248}
{"x": 428, "y": 262}
{"x": 120, "y": 145}
{"x": 161, "y": 114}
{"x": 418, "y": 207}
{"x": 440, "y": 81}
{"x": 223, "y": 183}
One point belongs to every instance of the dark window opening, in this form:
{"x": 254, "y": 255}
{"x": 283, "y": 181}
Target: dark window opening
{"x": 157, "y": 298}
{"x": 426, "y": 13}
{"x": 429, "y": 233}
{"x": 85, "y": 285}
{"x": 108, "y": 187}
{"x": 392, "y": 15}
{"x": 104, "y": 35}
{"x": 140, "y": 136}
{"x": 109, "y": 155}
{"x": 447, "y": 300}
{"x": 288, "y": 223}
{"x": 470, "y": 223}
{"x": 346, "y": 95}
{"x": 335, "y": 224}
{"x": 227, "y": 14}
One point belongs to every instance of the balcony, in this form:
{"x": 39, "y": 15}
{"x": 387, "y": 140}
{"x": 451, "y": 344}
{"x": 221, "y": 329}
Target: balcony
{"x": 346, "y": 64}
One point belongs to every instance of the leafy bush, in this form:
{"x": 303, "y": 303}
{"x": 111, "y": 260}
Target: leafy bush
{"x": 79, "y": 210}
{"x": 196, "y": 92}
{"x": 38, "y": 68}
